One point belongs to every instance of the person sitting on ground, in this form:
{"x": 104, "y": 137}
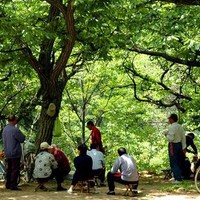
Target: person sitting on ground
{"x": 128, "y": 172}
{"x": 98, "y": 160}
{"x": 83, "y": 166}
{"x": 46, "y": 167}
{"x": 63, "y": 163}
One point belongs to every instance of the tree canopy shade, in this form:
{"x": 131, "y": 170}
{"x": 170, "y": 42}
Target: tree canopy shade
{"x": 50, "y": 41}
{"x": 183, "y": 2}
{"x": 32, "y": 37}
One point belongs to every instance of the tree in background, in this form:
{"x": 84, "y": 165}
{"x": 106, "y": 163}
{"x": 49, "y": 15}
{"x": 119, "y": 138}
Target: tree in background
{"x": 50, "y": 40}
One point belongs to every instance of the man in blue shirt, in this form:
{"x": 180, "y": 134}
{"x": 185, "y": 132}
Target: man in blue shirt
{"x": 12, "y": 139}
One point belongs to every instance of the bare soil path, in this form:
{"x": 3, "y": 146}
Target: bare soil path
{"x": 150, "y": 187}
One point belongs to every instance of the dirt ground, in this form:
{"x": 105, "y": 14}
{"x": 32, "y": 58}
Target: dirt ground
{"x": 150, "y": 187}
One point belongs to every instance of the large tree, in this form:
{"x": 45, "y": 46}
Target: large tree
{"x": 36, "y": 40}
{"x": 56, "y": 38}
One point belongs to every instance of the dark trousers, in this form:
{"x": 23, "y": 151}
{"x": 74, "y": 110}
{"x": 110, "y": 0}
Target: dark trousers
{"x": 80, "y": 177}
{"x": 111, "y": 178}
{"x": 176, "y": 158}
{"x": 12, "y": 172}
{"x": 100, "y": 173}
{"x": 55, "y": 173}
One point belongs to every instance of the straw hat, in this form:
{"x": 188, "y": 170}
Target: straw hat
{"x": 45, "y": 145}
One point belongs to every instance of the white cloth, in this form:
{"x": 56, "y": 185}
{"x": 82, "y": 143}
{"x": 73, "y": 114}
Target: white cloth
{"x": 98, "y": 160}
{"x": 127, "y": 166}
{"x": 44, "y": 163}
{"x": 176, "y": 134}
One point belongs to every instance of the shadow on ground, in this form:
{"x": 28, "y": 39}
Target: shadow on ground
{"x": 150, "y": 187}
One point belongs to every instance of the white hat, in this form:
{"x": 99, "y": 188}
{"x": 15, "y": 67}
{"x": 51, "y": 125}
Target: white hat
{"x": 51, "y": 111}
{"x": 45, "y": 145}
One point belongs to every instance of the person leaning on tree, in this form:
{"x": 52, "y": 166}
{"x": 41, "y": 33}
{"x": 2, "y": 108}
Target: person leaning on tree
{"x": 12, "y": 139}
{"x": 176, "y": 147}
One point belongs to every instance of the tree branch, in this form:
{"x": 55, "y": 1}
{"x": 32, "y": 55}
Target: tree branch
{"x": 192, "y": 63}
{"x": 11, "y": 97}
{"x": 183, "y": 2}
{"x": 159, "y": 103}
{"x": 6, "y": 77}
{"x": 68, "y": 14}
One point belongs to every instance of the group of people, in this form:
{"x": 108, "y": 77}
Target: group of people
{"x": 85, "y": 169}
{"x": 52, "y": 162}
{"x": 177, "y": 149}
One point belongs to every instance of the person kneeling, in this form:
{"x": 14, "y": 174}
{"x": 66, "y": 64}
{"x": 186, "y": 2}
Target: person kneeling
{"x": 128, "y": 172}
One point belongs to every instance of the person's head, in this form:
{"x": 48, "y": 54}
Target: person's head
{"x": 173, "y": 118}
{"x": 90, "y": 125}
{"x": 82, "y": 149}
{"x": 12, "y": 119}
{"x": 44, "y": 146}
{"x": 52, "y": 149}
{"x": 191, "y": 135}
{"x": 121, "y": 151}
{"x": 94, "y": 146}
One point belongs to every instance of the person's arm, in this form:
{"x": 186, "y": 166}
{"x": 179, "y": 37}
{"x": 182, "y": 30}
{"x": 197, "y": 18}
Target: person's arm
{"x": 194, "y": 147}
{"x": 54, "y": 164}
{"x": 102, "y": 159}
{"x": 170, "y": 134}
{"x": 183, "y": 141}
{"x": 116, "y": 166}
{"x": 19, "y": 135}
{"x": 98, "y": 136}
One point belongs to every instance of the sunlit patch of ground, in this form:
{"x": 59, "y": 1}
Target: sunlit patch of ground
{"x": 150, "y": 187}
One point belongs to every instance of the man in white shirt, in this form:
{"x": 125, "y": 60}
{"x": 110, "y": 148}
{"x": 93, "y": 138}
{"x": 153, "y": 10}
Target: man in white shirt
{"x": 98, "y": 166}
{"x": 128, "y": 172}
{"x": 176, "y": 147}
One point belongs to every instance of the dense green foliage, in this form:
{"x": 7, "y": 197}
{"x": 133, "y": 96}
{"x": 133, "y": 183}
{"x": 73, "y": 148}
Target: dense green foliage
{"x": 131, "y": 64}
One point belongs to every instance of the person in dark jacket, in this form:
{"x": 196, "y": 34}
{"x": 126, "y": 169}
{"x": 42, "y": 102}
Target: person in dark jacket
{"x": 83, "y": 165}
{"x": 12, "y": 139}
{"x": 190, "y": 143}
{"x": 186, "y": 166}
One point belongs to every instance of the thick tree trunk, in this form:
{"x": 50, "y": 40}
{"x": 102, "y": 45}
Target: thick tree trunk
{"x": 52, "y": 93}
{"x": 46, "y": 124}
{"x": 51, "y": 68}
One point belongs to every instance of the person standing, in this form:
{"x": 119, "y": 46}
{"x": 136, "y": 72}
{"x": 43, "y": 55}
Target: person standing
{"x": 95, "y": 135}
{"x": 176, "y": 147}
{"x": 128, "y": 172}
{"x": 12, "y": 139}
